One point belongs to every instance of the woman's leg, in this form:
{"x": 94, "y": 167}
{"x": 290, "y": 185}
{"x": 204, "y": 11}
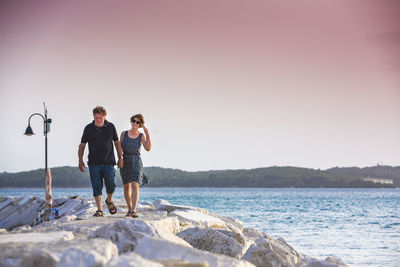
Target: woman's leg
{"x": 127, "y": 195}
{"x": 135, "y": 195}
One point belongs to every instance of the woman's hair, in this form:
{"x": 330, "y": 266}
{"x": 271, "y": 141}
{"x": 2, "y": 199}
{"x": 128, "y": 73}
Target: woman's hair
{"x": 99, "y": 110}
{"x": 140, "y": 118}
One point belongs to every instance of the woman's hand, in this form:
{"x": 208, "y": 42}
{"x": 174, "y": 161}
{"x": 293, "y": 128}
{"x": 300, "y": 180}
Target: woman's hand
{"x": 146, "y": 131}
{"x": 120, "y": 163}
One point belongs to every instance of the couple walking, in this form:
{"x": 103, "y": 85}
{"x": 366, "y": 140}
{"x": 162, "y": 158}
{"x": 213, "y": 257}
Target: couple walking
{"x": 100, "y": 135}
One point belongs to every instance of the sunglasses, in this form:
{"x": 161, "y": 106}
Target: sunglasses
{"x": 135, "y": 121}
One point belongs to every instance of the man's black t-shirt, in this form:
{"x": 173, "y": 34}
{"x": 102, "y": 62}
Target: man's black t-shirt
{"x": 101, "y": 149}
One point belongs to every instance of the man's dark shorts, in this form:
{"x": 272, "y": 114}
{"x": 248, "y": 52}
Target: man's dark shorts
{"x": 97, "y": 173}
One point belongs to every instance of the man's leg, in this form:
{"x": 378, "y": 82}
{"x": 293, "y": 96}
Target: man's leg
{"x": 109, "y": 174}
{"x": 98, "y": 202}
{"x": 97, "y": 185}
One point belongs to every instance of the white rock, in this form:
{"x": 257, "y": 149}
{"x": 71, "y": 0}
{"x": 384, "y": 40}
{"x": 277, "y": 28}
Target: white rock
{"x": 24, "y": 201}
{"x": 36, "y": 237}
{"x": 67, "y": 218}
{"x": 157, "y": 249}
{"x": 131, "y": 259}
{"x": 84, "y": 252}
{"x": 159, "y": 203}
{"x": 22, "y": 229}
{"x": 13, "y": 253}
{"x": 24, "y": 211}
{"x": 126, "y": 233}
{"x": 253, "y": 234}
{"x": 103, "y": 247}
{"x": 328, "y": 262}
{"x": 220, "y": 242}
{"x": 239, "y": 237}
{"x": 161, "y": 213}
{"x": 229, "y": 223}
{"x": 69, "y": 206}
{"x": 86, "y": 210}
{"x": 336, "y": 260}
{"x": 20, "y": 212}
{"x": 40, "y": 258}
{"x": 75, "y": 257}
{"x": 145, "y": 206}
{"x": 271, "y": 252}
{"x": 74, "y": 238}
{"x": 198, "y": 218}
{"x": 6, "y": 202}
{"x": 166, "y": 224}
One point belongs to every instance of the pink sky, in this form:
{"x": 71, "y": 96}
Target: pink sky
{"x": 222, "y": 84}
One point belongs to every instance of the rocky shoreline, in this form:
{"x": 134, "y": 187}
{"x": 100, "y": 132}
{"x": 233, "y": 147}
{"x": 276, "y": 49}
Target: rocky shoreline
{"x": 163, "y": 235}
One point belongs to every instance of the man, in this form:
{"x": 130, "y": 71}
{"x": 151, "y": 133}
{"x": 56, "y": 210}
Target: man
{"x": 100, "y": 134}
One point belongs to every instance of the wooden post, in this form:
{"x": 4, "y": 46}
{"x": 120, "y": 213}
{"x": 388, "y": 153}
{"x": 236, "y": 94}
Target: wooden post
{"x": 49, "y": 198}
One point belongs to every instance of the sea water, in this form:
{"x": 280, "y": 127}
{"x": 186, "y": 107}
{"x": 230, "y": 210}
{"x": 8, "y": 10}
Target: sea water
{"x": 360, "y": 226}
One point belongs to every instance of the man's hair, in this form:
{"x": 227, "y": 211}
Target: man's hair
{"x": 99, "y": 110}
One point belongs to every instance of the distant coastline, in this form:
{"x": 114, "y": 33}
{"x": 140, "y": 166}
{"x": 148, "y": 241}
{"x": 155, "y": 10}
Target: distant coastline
{"x": 269, "y": 177}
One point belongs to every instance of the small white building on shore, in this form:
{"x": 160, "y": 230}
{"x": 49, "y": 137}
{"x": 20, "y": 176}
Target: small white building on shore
{"x": 379, "y": 180}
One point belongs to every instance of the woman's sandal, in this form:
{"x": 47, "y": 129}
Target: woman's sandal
{"x": 111, "y": 207}
{"x": 129, "y": 214}
{"x": 98, "y": 213}
{"x": 134, "y": 215}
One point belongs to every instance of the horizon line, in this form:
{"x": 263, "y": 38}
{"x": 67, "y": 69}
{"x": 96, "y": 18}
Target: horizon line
{"x": 273, "y": 166}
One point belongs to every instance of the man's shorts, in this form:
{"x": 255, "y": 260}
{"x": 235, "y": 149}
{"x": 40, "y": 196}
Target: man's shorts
{"x": 97, "y": 173}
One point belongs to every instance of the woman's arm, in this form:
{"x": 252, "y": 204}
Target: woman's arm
{"x": 122, "y": 137}
{"x": 146, "y": 139}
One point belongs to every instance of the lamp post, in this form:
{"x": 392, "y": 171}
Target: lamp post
{"x": 46, "y": 129}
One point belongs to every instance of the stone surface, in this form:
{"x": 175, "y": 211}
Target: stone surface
{"x": 36, "y": 237}
{"x": 253, "y": 234}
{"x": 182, "y": 263}
{"x": 156, "y": 238}
{"x": 328, "y": 262}
{"x": 132, "y": 259}
{"x": 126, "y": 233}
{"x": 159, "y": 249}
{"x": 198, "y": 218}
{"x": 77, "y": 257}
{"x": 191, "y": 216}
{"x": 271, "y": 252}
{"x": 15, "y": 212}
{"x": 20, "y": 211}
{"x": 220, "y": 242}
{"x": 14, "y": 253}
{"x": 40, "y": 258}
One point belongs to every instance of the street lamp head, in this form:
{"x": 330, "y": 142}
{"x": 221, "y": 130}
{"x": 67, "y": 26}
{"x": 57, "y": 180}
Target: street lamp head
{"x": 28, "y": 131}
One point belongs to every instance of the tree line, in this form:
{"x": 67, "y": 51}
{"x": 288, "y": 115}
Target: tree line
{"x": 270, "y": 177}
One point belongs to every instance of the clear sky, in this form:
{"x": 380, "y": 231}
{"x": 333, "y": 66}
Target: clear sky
{"x": 221, "y": 84}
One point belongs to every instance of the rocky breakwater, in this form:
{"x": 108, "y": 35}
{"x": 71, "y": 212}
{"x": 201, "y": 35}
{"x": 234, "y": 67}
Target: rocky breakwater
{"x": 163, "y": 235}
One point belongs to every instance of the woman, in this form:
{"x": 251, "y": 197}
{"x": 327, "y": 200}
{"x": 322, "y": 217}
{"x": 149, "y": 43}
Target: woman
{"x": 132, "y": 167}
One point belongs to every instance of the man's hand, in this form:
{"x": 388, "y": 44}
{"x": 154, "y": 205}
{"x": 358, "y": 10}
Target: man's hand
{"x": 82, "y": 166}
{"x": 120, "y": 163}
{"x": 81, "y": 149}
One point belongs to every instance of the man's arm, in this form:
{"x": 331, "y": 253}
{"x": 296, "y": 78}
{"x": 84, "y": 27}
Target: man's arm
{"x": 81, "y": 150}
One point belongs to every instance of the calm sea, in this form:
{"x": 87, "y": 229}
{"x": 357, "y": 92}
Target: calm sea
{"x": 361, "y": 226}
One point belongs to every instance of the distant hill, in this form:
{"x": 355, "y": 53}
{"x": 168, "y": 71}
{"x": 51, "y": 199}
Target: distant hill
{"x": 378, "y": 171}
{"x": 271, "y": 177}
